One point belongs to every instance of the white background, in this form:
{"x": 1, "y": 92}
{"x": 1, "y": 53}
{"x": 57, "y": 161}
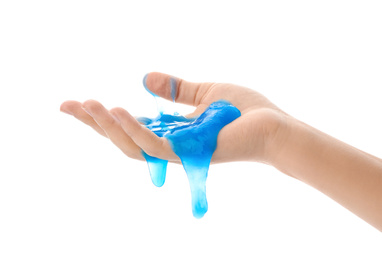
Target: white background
{"x": 68, "y": 193}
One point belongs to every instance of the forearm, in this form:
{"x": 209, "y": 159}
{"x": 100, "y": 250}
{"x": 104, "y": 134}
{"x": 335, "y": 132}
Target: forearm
{"x": 349, "y": 176}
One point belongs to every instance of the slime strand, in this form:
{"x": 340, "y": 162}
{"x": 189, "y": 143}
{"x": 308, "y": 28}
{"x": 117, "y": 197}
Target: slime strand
{"x": 194, "y": 141}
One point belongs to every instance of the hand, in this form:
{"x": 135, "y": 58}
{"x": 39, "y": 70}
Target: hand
{"x": 248, "y": 138}
{"x": 262, "y": 133}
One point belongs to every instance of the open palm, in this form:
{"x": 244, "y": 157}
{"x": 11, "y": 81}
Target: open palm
{"x": 245, "y": 139}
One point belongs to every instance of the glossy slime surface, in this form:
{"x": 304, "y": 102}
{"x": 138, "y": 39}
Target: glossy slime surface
{"x": 194, "y": 141}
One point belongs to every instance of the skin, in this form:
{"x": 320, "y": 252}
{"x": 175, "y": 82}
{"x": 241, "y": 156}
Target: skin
{"x": 264, "y": 133}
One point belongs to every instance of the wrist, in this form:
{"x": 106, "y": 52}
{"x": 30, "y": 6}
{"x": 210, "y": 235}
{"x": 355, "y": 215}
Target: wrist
{"x": 279, "y": 134}
{"x": 293, "y": 147}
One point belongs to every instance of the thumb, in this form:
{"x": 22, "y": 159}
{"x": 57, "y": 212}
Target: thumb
{"x": 175, "y": 89}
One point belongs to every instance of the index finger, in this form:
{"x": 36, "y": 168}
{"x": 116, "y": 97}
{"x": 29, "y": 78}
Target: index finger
{"x": 176, "y": 89}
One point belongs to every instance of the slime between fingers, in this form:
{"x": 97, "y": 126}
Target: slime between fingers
{"x": 194, "y": 141}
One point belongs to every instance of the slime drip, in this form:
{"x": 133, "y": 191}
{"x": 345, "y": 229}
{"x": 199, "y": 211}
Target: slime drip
{"x": 194, "y": 140}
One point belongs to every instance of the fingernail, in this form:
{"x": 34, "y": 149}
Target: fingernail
{"x": 145, "y": 85}
{"x": 144, "y": 81}
{"x": 66, "y": 112}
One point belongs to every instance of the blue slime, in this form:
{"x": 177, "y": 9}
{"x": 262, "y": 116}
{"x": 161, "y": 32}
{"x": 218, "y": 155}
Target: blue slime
{"x": 194, "y": 141}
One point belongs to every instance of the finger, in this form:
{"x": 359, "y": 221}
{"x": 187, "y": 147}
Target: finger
{"x": 149, "y": 142}
{"x": 74, "y": 108}
{"x": 112, "y": 128}
{"x": 176, "y": 89}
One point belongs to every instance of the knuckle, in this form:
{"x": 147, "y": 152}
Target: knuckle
{"x": 134, "y": 152}
{"x": 158, "y": 148}
{"x": 151, "y": 151}
{"x": 133, "y": 155}
{"x": 107, "y": 123}
{"x": 92, "y": 104}
{"x": 116, "y": 110}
